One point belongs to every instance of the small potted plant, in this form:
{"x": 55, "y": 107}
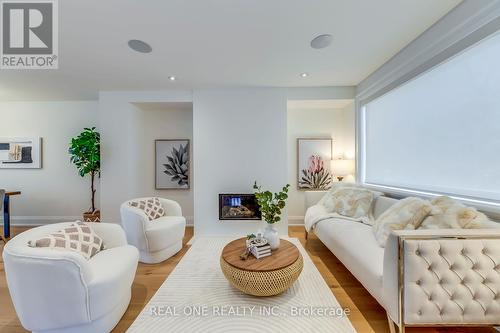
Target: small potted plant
{"x": 271, "y": 206}
{"x": 85, "y": 154}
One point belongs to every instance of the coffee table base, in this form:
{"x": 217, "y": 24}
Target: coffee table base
{"x": 267, "y": 283}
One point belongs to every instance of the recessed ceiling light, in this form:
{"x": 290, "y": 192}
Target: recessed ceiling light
{"x": 139, "y": 46}
{"x": 304, "y": 75}
{"x": 321, "y": 41}
{"x": 172, "y": 78}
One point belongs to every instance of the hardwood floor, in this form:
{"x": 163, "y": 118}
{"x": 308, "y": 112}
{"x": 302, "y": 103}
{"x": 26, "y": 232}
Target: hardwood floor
{"x": 367, "y": 315}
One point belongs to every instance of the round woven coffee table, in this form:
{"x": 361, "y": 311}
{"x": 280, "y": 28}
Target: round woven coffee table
{"x": 261, "y": 277}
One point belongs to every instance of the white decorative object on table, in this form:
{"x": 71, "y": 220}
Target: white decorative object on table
{"x": 259, "y": 247}
{"x": 271, "y": 234}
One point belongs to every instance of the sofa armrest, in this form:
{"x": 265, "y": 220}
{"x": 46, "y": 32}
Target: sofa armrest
{"x": 313, "y": 197}
{"x": 111, "y": 233}
{"x": 172, "y": 208}
{"x": 442, "y": 277}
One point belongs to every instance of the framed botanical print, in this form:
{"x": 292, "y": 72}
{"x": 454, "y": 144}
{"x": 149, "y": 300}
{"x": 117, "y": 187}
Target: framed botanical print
{"x": 313, "y": 163}
{"x": 173, "y": 164}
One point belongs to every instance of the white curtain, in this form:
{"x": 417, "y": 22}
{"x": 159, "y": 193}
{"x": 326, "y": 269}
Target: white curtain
{"x": 440, "y": 132}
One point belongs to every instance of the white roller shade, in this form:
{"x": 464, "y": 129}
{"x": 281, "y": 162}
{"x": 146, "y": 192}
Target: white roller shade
{"x": 440, "y": 132}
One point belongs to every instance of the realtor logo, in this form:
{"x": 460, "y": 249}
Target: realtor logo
{"x": 29, "y": 34}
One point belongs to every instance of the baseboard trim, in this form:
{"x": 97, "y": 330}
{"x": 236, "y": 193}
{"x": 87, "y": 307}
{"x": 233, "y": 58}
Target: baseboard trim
{"x": 295, "y": 220}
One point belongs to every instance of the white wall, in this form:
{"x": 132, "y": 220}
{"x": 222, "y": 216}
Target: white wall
{"x": 312, "y": 119}
{"x": 244, "y": 129}
{"x": 349, "y": 133}
{"x": 56, "y": 192}
{"x": 161, "y": 121}
{"x": 239, "y": 136}
{"x": 121, "y": 146}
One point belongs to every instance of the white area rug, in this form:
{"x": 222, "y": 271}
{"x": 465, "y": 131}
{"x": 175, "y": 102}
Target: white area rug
{"x": 196, "y": 297}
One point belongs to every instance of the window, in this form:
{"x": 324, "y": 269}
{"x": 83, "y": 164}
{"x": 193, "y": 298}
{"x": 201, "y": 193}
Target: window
{"x": 440, "y": 132}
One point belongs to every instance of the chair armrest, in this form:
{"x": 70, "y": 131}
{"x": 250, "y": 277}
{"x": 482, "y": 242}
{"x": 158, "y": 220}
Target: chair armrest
{"x": 114, "y": 271}
{"x": 172, "y": 208}
{"x": 134, "y": 221}
{"x": 313, "y": 197}
{"x": 112, "y": 234}
{"x": 48, "y": 287}
{"x": 442, "y": 276}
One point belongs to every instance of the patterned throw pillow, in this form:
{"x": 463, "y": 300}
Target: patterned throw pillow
{"x": 151, "y": 207}
{"x": 406, "y": 214}
{"x": 335, "y": 187}
{"x": 78, "y": 237}
{"x": 352, "y": 202}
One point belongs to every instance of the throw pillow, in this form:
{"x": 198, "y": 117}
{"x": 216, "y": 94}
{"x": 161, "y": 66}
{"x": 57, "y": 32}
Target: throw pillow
{"x": 78, "y": 237}
{"x": 334, "y": 187}
{"x": 451, "y": 214}
{"x": 151, "y": 207}
{"x": 405, "y": 214}
{"x": 352, "y": 202}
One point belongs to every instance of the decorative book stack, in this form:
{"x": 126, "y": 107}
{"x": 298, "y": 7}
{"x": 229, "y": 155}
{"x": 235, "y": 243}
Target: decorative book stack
{"x": 258, "y": 247}
{"x": 261, "y": 251}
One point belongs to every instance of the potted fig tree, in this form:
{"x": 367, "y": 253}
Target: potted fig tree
{"x": 85, "y": 155}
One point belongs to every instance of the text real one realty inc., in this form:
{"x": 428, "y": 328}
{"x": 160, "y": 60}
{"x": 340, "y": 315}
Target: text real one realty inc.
{"x": 242, "y": 311}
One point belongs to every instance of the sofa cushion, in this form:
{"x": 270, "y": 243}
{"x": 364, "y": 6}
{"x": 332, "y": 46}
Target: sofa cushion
{"x": 152, "y": 207}
{"x": 405, "y": 214}
{"x": 355, "y": 246}
{"x": 78, "y": 237}
{"x": 164, "y": 232}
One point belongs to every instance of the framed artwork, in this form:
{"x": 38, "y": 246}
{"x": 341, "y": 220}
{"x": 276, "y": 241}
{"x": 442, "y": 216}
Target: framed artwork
{"x": 172, "y": 164}
{"x": 21, "y": 153}
{"x": 313, "y": 163}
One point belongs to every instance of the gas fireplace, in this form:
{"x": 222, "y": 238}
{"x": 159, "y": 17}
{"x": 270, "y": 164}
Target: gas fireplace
{"x": 238, "y": 207}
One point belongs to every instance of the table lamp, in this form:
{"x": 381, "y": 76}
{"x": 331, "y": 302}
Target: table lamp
{"x": 341, "y": 168}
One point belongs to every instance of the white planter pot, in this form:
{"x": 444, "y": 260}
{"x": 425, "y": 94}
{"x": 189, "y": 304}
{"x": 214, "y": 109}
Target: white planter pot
{"x": 271, "y": 234}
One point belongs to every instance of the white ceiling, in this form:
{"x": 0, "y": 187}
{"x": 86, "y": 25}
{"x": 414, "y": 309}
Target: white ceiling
{"x": 220, "y": 43}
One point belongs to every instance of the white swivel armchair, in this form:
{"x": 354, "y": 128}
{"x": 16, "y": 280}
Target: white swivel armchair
{"x": 57, "y": 291}
{"x": 156, "y": 240}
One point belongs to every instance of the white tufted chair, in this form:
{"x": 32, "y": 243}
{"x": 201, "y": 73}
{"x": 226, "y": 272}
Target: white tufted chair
{"x": 57, "y": 291}
{"x": 156, "y": 240}
{"x": 443, "y": 277}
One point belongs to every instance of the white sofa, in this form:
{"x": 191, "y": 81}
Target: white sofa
{"x": 156, "y": 240}
{"x": 422, "y": 277}
{"x": 56, "y": 291}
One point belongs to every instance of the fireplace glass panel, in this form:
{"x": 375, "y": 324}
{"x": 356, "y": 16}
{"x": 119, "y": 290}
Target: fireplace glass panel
{"x": 238, "y": 207}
